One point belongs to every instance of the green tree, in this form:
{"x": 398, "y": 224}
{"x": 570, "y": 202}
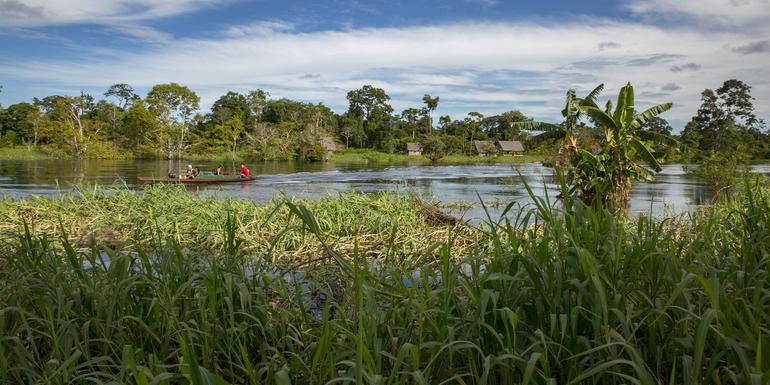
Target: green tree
{"x": 68, "y": 113}
{"x": 434, "y": 148}
{"x": 173, "y": 105}
{"x": 123, "y": 93}
{"x": 23, "y": 119}
{"x": 431, "y": 104}
{"x": 725, "y": 120}
{"x": 411, "y": 117}
{"x": 138, "y": 126}
{"x": 369, "y": 105}
{"x": 505, "y": 126}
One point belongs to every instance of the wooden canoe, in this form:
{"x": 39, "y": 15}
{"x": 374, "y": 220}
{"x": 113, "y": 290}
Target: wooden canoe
{"x": 199, "y": 179}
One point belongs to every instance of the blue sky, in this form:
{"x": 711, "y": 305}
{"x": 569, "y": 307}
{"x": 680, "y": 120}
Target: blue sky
{"x": 476, "y": 55}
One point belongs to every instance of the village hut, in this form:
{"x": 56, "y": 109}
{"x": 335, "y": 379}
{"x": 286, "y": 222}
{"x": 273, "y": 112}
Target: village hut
{"x": 510, "y": 147}
{"x": 413, "y": 149}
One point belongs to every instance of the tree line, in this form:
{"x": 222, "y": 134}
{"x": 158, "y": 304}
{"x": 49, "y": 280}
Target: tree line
{"x": 168, "y": 123}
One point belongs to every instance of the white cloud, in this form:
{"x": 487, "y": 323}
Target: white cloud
{"x": 729, "y": 12}
{"x": 36, "y": 13}
{"x": 123, "y": 16}
{"x": 488, "y": 67}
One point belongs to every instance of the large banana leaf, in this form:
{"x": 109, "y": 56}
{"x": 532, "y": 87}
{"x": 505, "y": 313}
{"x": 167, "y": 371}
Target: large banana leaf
{"x": 620, "y": 106}
{"x": 644, "y": 153}
{"x": 595, "y": 93}
{"x": 649, "y": 114}
{"x": 659, "y": 138}
{"x": 600, "y": 117}
{"x": 628, "y": 112}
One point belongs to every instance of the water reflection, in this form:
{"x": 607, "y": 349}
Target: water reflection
{"x": 496, "y": 184}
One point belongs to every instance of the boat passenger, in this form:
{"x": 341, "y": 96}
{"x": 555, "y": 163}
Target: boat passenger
{"x": 171, "y": 174}
{"x": 189, "y": 174}
{"x": 244, "y": 171}
{"x": 219, "y": 170}
{"x": 196, "y": 172}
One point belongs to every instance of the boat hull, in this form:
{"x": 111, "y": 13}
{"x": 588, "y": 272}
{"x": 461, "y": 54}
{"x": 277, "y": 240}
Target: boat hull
{"x": 206, "y": 179}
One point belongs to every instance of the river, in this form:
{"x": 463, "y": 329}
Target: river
{"x": 496, "y": 184}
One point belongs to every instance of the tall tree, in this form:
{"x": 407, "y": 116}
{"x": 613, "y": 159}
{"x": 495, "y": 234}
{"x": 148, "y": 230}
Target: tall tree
{"x": 69, "y": 112}
{"x": 505, "y": 126}
{"x": 138, "y": 126}
{"x": 411, "y": 116}
{"x": 123, "y": 92}
{"x": 431, "y": 104}
{"x": 369, "y": 105}
{"x": 173, "y": 106}
{"x": 725, "y": 119}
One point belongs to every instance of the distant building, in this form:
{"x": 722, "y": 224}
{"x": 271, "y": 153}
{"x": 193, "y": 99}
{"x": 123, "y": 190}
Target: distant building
{"x": 414, "y": 149}
{"x": 327, "y": 142}
{"x": 485, "y": 147}
{"x": 510, "y": 147}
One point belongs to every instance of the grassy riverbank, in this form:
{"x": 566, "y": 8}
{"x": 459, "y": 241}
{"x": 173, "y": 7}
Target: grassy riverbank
{"x": 374, "y": 157}
{"x": 344, "y": 156}
{"x": 578, "y": 296}
{"x": 22, "y": 153}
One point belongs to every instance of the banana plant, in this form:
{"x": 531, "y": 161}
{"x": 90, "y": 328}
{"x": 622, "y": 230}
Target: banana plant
{"x": 624, "y": 156}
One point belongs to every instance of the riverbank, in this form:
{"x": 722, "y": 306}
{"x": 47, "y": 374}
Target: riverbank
{"x": 376, "y": 157}
{"x": 362, "y": 288}
{"x": 343, "y": 156}
{"x": 22, "y": 153}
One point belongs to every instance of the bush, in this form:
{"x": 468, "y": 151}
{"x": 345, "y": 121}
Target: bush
{"x": 434, "y": 148}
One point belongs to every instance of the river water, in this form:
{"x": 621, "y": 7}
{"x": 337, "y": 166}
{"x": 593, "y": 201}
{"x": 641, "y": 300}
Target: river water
{"x": 496, "y": 184}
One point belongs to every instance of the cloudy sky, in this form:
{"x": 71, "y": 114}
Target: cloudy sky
{"x": 476, "y": 55}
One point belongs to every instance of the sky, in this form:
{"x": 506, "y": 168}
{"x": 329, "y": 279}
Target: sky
{"x": 489, "y": 56}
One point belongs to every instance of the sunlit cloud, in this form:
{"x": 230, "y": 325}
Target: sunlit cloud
{"x": 482, "y": 66}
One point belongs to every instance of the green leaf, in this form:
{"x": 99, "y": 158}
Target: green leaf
{"x": 600, "y": 117}
{"x": 595, "y": 93}
{"x": 645, "y": 153}
{"x": 649, "y": 114}
{"x": 620, "y": 105}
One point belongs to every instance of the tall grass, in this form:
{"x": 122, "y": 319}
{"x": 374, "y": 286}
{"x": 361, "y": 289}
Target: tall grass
{"x": 568, "y": 295}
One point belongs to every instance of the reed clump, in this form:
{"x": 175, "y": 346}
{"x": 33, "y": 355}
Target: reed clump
{"x": 568, "y": 295}
{"x": 122, "y": 219}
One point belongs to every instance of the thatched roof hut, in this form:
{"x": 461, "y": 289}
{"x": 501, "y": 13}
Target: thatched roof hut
{"x": 414, "y": 148}
{"x": 510, "y": 147}
{"x": 484, "y": 147}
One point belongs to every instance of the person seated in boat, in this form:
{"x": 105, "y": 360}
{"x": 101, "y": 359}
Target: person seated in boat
{"x": 196, "y": 172}
{"x": 244, "y": 171}
{"x": 218, "y": 171}
{"x": 171, "y": 174}
{"x": 189, "y": 174}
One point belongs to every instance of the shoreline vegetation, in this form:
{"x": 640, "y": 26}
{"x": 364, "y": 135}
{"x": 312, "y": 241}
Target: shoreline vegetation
{"x": 168, "y": 123}
{"x": 167, "y": 287}
{"x": 342, "y": 156}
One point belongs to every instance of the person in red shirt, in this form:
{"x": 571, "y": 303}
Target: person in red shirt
{"x": 244, "y": 171}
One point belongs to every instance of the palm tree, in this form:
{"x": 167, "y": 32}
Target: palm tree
{"x": 430, "y": 105}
